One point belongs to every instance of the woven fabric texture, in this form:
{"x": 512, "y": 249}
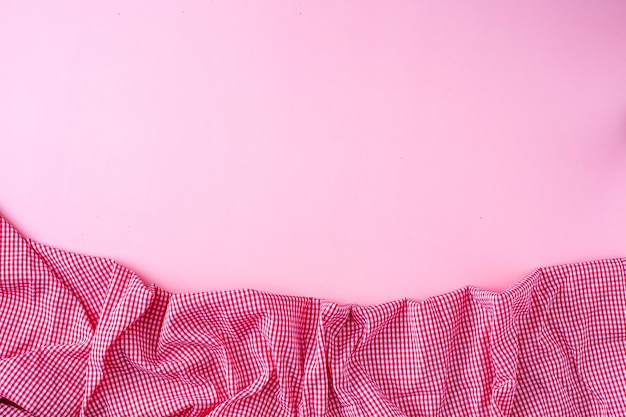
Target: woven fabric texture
{"x": 84, "y": 336}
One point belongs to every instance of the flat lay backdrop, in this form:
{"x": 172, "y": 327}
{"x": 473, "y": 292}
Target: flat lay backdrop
{"x": 358, "y": 151}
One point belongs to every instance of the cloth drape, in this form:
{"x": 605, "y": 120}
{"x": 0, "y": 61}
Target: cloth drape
{"x": 84, "y": 336}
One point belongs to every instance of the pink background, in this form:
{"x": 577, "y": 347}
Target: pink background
{"x": 358, "y": 151}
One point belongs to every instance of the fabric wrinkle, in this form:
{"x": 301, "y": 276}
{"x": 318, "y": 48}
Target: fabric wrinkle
{"x": 85, "y": 336}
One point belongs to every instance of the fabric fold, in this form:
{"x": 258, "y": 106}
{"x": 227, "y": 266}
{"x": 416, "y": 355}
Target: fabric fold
{"x": 84, "y": 336}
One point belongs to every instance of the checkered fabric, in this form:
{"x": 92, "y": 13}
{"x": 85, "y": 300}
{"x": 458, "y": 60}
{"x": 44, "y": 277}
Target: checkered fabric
{"x": 84, "y": 336}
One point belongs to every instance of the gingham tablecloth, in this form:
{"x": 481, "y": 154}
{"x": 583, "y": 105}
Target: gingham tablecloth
{"x": 84, "y": 336}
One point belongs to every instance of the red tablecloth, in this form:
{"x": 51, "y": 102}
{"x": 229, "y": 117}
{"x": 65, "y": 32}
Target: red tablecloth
{"x": 83, "y": 335}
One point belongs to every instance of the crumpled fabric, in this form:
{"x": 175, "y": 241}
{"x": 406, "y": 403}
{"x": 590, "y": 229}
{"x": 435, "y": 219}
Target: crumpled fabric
{"x": 84, "y": 336}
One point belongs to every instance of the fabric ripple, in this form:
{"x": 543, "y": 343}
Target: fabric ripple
{"x": 84, "y": 336}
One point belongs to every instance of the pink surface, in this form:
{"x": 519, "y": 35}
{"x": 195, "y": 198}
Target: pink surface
{"x": 355, "y": 151}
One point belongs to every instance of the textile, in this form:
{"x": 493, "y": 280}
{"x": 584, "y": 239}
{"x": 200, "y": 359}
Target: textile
{"x": 84, "y": 336}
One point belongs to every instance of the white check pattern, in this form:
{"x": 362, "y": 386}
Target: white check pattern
{"x": 84, "y": 336}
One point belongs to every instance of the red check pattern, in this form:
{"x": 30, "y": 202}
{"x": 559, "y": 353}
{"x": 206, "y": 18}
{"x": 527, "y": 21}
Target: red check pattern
{"x": 84, "y": 336}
